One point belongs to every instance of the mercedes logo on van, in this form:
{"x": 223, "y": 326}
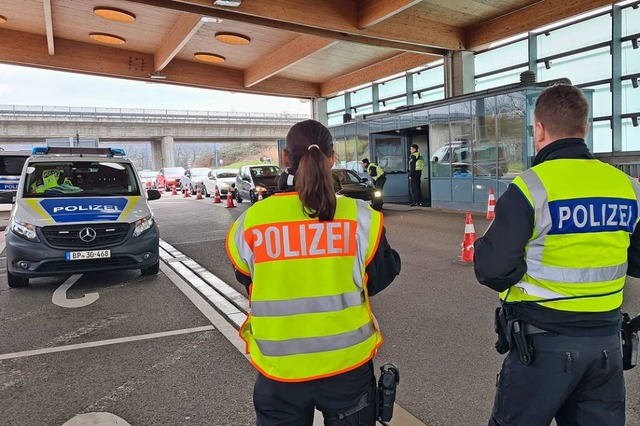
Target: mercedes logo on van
{"x": 87, "y": 234}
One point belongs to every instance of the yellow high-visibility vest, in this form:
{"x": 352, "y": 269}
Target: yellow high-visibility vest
{"x": 379, "y": 171}
{"x": 310, "y": 314}
{"x": 585, "y": 212}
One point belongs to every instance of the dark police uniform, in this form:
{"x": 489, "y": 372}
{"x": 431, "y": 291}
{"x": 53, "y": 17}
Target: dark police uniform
{"x": 416, "y": 164}
{"x": 563, "y": 208}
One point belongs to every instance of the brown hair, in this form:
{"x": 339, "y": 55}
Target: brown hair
{"x": 563, "y": 110}
{"x": 309, "y": 146}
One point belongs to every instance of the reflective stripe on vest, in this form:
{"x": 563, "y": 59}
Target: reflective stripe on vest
{"x": 310, "y": 315}
{"x": 563, "y": 221}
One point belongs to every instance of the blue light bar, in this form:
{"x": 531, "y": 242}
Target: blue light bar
{"x": 118, "y": 152}
{"x": 39, "y": 150}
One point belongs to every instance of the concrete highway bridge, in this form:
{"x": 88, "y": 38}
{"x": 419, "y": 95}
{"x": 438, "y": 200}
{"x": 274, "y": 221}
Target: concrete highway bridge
{"x": 161, "y": 128}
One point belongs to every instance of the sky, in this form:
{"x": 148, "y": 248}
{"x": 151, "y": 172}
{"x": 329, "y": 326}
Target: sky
{"x": 31, "y": 86}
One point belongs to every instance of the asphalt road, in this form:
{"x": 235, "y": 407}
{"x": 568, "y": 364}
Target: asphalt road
{"x": 152, "y": 351}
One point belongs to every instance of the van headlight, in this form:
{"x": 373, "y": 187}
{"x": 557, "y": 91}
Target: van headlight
{"x": 143, "y": 225}
{"x": 24, "y": 230}
{"x": 377, "y": 194}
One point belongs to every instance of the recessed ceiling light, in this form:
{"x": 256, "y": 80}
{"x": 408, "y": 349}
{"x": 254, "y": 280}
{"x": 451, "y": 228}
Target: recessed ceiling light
{"x": 230, "y": 3}
{"x": 112, "y": 14}
{"x": 209, "y": 57}
{"x": 2, "y": 19}
{"x": 107, "y": 38}
{"x": 232, "y": 38}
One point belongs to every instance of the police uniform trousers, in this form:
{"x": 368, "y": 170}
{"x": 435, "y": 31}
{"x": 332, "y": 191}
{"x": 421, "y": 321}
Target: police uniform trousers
{"x": 577, "y": 380}
{"x": 379, "y": 182}
{"x": 292, "y": 404}
{"x": 416, "y": 191}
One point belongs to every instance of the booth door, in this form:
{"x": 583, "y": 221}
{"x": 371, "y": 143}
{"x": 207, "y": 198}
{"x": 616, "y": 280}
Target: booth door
{"x": 390, "y": 151}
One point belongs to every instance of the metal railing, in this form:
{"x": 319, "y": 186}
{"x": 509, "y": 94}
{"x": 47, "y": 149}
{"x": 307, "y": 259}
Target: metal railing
{"x": 47, "y": 113}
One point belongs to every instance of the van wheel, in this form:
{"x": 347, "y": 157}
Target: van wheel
{"x": 15, "y": 281}
{"x": 151, "y": 270}
{"x": 238, "y": 199}
{"x": 252, "y": 197}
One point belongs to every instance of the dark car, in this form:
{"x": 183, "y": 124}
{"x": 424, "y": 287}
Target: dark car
{"x": 253, "y": 182}
{"x": 348, "y": 183}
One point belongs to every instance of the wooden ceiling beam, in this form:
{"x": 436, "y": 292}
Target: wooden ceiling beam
{"x": 523, "y": 20}
{"x": 48, "y": 23}
{"x": 396, "y": 64}
{"x": 28, "y": 49}
{"x": 335, "y": 19}
{"x": 286, "y": 56}
{"x": 371, "y": 12}
{"x": 185, "y": 28}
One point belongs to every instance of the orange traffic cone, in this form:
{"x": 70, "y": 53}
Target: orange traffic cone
{"x": 198, "y": 194}
{"x": 229, "y": 200}
{"x": 186, "y": 192}
{"x": 173, "y": 190}
{"x": 491, "y": 207}
{"x": 259, "y": 195}
{"x": 216, "y": 196}
{"x": 469, "y": 239}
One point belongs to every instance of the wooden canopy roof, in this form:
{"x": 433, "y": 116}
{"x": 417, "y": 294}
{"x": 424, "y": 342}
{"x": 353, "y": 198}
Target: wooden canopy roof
{"x": 298, "y": 48}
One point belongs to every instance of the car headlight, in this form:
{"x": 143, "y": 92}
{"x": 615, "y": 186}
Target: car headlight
{"x": 143, "y": 225}
{"x": 24, "y": 230}
{"x": 377, "y": 194}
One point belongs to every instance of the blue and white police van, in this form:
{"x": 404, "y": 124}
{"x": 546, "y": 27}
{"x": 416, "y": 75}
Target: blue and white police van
{"x": 11, "y": 163}
{"x": 80, "y": 210}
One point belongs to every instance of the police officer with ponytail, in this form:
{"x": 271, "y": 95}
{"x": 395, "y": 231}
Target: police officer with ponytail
{"x": 564, "y": 238}
{"x": 310, "y": 261}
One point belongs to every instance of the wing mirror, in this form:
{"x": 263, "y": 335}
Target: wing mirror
{"x": 153, "y": 194}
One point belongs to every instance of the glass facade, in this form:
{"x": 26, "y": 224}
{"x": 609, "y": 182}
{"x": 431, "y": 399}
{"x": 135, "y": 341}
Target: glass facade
{"x": 484, "y": 141}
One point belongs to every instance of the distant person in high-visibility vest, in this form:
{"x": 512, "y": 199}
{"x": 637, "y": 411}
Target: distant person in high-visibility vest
{"x": 310, "y": 261}
{"x": 416, "y": 164}
{"x": 564, "y": 238}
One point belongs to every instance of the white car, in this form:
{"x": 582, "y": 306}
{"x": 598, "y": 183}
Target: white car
{"x": 148, "y": 178}
{"x": 193, "y": 178}
{"x": 222, "y": 178}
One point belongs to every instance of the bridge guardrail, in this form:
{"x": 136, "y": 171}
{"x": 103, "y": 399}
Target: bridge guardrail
{"x": 19, "y": 112}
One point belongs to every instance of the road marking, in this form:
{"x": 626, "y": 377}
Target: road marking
{"x": 60, "y": 295}
{"x": 188, "y": 275}
{"x": 105, "y": 342}
{"x": 96, "y": 419}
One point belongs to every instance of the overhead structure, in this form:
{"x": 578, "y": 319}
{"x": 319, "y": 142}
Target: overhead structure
{"x": 305, "y": 49}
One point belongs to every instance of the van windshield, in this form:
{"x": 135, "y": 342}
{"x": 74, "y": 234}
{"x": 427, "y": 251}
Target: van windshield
{"x": 79, "y": 178}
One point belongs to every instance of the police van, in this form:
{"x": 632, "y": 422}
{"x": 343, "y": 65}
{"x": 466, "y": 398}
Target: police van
{"x": 11, "y": 163}
{"x": 80, "y": 210}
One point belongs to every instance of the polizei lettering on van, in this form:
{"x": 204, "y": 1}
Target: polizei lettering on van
{"x": 293, "y": 240}
{"x": 90, "y": 209}
{"x": 593, "y": 215}
{"x": 99, "y": 207}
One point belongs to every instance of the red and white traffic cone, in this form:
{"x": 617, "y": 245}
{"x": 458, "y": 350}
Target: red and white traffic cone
{"x": 216, "y": 196}
{"x": 469, "y": 239}
{"x": 173, "y": 190}
{"x": 186, "y": 192}
{"x": 259, "y": 195}
{"x": 198, "y": 194}
{"x": 229, "y": 200}
{"x": 491, "y": 207}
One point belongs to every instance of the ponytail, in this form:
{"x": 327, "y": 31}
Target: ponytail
{"x": 314, "y": 184}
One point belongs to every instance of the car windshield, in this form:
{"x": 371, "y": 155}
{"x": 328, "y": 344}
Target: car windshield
{"x": 265, "y": 171}
{"x": 222, "y": 175}
{"x": 79, "y": 178}
{"x": 347, "y": 177}
{"x": 148, "y": 175}
{"x": 173, "y": 171}
{"x": 199, "y": 172}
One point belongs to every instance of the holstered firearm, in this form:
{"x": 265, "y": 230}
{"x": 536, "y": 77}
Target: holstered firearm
{"x": 389, "y": 379}
{"x": 629, "y": 334}
{"x": 511, "y": 334}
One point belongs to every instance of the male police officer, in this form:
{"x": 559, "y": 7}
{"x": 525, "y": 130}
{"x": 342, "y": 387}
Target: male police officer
{"x": 377, "y": 173}
{"x": 563, "y": 239}
{"x": 416, "y": 164}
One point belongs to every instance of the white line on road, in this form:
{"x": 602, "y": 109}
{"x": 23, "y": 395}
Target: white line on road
{"x": 105, "y": 342}
{"x": 60, "y": 295}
